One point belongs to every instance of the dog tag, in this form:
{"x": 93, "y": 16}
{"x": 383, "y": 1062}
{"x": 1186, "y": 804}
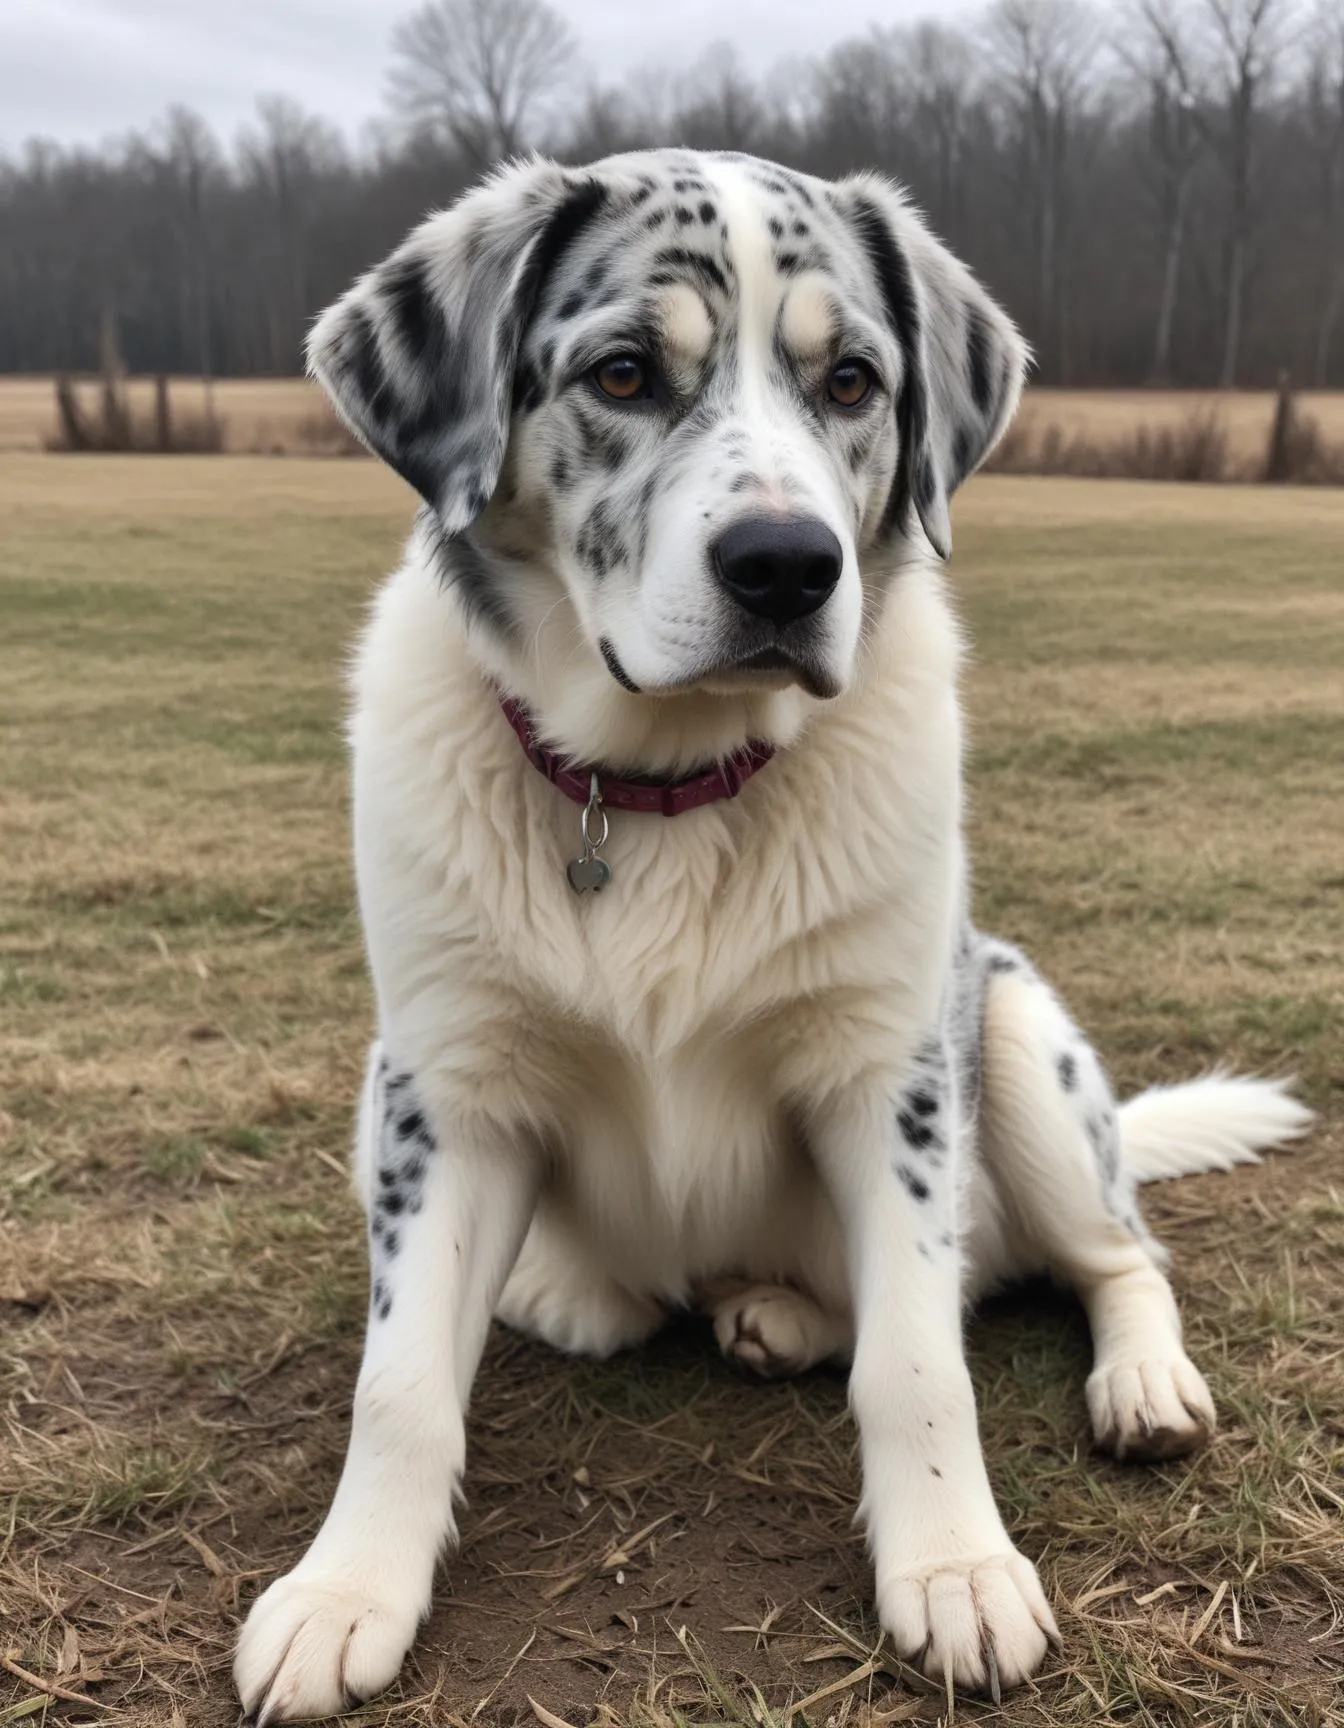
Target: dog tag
{"x": 588, "y": 875}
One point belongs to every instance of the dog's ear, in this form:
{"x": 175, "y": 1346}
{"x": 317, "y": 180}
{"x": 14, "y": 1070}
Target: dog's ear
{"x": 418, "y": 357}
{"x": 963, "y": 357}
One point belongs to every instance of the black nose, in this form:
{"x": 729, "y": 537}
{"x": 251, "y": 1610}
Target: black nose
{"x": 778, "y": 567}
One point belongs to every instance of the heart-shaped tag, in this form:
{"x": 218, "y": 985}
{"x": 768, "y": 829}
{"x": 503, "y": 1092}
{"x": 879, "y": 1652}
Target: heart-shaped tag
{"x": 588, "y": 875}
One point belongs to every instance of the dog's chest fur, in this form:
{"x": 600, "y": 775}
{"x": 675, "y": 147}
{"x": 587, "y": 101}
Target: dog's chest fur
{"x": 744, "y": 955}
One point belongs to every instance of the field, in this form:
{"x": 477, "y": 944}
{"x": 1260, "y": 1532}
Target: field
{"x": 1158, "y": 719}
{"x": 268, "y": 415}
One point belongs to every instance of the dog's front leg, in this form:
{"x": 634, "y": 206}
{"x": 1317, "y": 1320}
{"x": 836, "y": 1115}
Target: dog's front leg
{"x": 953, "y": 1593}
{"x": 448, "y": 1208}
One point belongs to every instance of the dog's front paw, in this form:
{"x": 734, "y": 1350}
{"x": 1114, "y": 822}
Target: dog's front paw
{"x": 985, "y": 1622}
{"x": 1150, "y": 1410}
{"x": 316, "y": 1646}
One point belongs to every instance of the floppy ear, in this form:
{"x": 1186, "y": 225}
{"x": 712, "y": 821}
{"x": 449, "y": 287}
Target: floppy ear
{"x": 418, "y": 357}
{"x": 964, "y": 358}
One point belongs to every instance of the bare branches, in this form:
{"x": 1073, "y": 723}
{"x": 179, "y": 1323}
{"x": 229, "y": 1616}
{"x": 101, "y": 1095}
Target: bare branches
{"x": 478, "y": 72}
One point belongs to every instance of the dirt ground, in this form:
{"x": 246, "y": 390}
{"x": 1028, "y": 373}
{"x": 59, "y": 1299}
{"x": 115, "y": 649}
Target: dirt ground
{"x": 1158, "y": 726}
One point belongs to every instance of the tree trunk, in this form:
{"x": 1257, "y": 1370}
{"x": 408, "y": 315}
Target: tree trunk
{"x": 1171, "y": 285}
{"x": 1236, "y": 268}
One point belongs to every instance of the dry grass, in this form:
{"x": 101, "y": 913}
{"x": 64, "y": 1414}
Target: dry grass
{"x": 277, "y": 416}
{"x": 1157, "y": 813}
{"x": 262, "y": 416}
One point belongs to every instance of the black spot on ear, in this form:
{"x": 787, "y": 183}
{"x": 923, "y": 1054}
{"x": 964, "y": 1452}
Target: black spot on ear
{"x": 1068, "y": 1071}
{"x": 977, "y": 360}
{"x": 416, "y": 319}
{"x": 963, "y": 454}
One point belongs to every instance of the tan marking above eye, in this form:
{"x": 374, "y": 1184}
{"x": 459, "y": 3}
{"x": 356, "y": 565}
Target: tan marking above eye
{"x": 624, "y": 377}
{"x": 686, "y": 324}
{"x": 809, "y": 318}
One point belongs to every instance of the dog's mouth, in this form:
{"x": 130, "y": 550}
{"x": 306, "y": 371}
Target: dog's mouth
{"x": 776, "y": 666}
{"x": 773, "y": 667}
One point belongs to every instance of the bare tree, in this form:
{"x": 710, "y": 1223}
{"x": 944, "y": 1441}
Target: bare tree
{"x": 479, "y": 71}
{"x": 1246, "y": 39}
{"x": 1153, "y": 45}
{"x": 1323, "y": 122}
{"x": 1042, "y": 52}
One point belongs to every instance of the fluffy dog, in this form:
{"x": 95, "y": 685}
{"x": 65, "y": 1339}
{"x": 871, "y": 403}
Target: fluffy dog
{"x": 686, "y": 428}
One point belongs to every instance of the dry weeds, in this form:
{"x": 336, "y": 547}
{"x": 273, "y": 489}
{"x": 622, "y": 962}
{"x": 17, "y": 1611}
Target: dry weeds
{"x": 1160, "y": 727}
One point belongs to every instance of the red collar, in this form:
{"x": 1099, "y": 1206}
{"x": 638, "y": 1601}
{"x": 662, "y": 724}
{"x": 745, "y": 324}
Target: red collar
{"x": 670, "y": 797}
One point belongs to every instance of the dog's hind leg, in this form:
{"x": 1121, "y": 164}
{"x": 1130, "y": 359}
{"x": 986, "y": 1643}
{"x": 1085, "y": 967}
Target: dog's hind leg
{"x": 559, "y": 1292}
{"x": 1052, "y": 1146}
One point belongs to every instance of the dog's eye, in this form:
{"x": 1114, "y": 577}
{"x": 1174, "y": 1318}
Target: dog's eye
{"x": 849, "y": 383}
{"x": 624, "y": 378}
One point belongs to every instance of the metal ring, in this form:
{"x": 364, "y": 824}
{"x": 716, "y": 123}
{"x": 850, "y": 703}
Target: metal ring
{"x": 588, "y": 840}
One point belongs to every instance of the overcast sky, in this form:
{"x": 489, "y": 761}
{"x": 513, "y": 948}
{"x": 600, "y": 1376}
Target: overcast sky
{"x": 79, "y": 70}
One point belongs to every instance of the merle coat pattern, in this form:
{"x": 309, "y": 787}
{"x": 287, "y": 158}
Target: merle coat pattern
{"x": 685, "y": 428}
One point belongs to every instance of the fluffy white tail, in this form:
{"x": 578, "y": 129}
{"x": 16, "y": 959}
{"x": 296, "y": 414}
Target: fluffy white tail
{"x": 1208, "y": 1124}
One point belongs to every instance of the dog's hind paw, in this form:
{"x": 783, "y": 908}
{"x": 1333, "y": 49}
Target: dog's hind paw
{"x": 777, "y": 1330}
{"x": 316, "y": 1647}
{"x": 1149, "y": 1410}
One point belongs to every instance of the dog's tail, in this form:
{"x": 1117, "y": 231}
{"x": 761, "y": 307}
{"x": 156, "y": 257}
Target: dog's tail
{"x": 1208, "y": 1124}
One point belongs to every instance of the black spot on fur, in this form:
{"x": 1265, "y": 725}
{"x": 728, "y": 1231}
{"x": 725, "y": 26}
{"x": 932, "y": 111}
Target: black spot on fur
{"x": 902, "y": 308}
{"x": 799, "y": 230}
{"x": 674, "y": 263}
{"x": 977, "y": 360}
{"x": 919, "y": 1136}
{"x": 913, "y": 1183}
{"x": 642, "y": 196}
{"x": 776, "y": 228}
{"x": 617, "y": 671}
{"x": 707, "y": 212}
{"x": 477, "y": 580}
{"x": 1068, "y": 1071}
{"x": 415, "y": 316}
{"x": 571, "y": 305}
{"x": 560, "y": 474}
{"x": 684, "y": 216}
{"x": 935, "y": 1471}
{"x": 923, "y": 1103}
{"x": 382, "y": 1299}
{"x": 1000, "y": 964}
{"x": 656, "y": 218}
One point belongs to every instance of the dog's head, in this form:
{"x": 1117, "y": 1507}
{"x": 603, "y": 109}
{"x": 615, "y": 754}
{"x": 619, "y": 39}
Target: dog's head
{"x": 707, "y": 401}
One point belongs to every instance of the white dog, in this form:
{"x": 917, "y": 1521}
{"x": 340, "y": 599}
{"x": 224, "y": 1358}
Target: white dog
{"x": 657, "y": 761}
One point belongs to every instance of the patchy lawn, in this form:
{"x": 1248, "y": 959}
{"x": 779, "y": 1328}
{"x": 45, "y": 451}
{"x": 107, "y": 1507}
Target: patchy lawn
{"x": 1158, "y": 809}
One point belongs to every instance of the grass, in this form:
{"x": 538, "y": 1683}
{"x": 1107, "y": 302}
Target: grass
{"x": 1158, "y": 719}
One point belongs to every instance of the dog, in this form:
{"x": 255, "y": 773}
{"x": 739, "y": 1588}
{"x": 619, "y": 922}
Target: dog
{"x": 658, "y": 833}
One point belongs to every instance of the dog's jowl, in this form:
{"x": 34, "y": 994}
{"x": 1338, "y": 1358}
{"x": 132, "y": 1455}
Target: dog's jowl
{"x": 685, "y": 429}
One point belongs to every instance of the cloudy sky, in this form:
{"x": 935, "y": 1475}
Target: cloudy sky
{"x": 78, "y": 70}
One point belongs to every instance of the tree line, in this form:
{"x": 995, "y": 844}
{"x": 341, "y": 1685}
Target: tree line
{"x": 1154, "y": 188}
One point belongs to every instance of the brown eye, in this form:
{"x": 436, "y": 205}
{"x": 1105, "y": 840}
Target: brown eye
{"x": 623, "y": 378}
{"x": 849, "y": 384}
